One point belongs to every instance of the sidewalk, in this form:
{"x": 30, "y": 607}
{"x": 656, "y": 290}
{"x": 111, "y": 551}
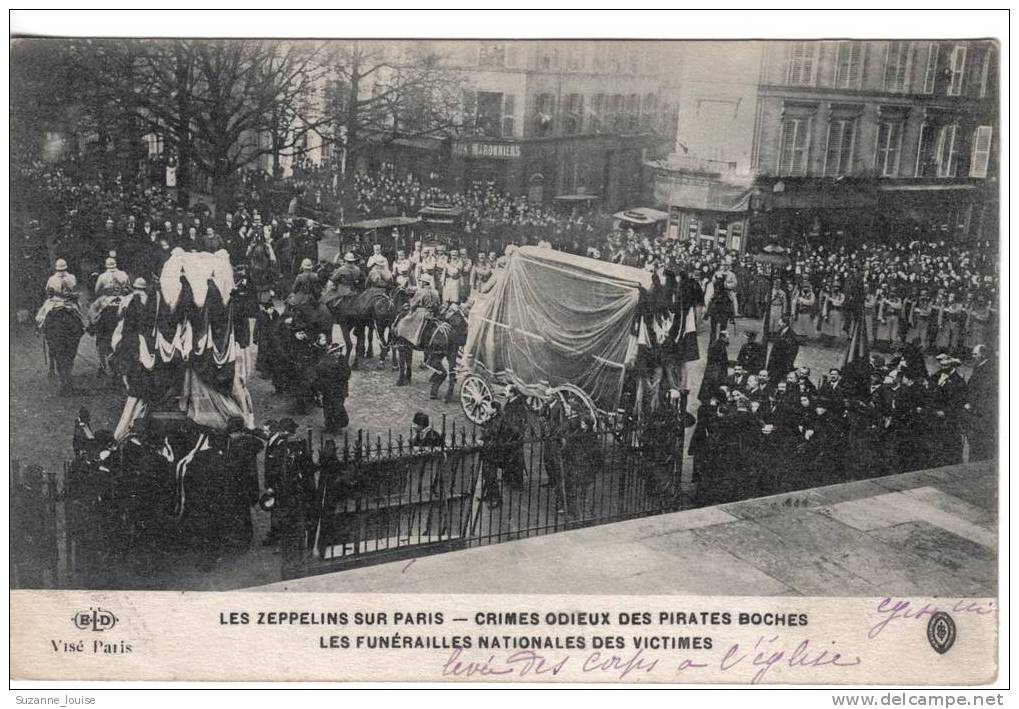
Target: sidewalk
{"x": 929, "y": 533}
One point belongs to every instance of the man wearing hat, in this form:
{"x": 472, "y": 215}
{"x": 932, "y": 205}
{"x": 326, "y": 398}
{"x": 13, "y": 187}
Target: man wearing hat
{"x": 947, "y": 400}
{"x": 306, "y": 286}
{"x": 982, "y": 404}
{"x": 377, "y": 259}
{"x": 347, "y": 277}
{"x": 111, "y": 286}
{"x": 751, "y": 354}
{"x": 782, "y": 358}
{"x": 277, "y": 460}
{"x": 426, "y": 296}
{"x": 332, "y": 377}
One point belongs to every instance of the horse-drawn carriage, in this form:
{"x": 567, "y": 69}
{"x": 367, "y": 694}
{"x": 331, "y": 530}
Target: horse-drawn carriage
{"x": 558, "y": 326}
{"x": 391, "y": 233}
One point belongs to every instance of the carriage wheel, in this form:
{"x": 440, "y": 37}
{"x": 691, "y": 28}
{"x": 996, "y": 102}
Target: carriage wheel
{"x": 476, "y": 399}
{"x": 578, "y": 400}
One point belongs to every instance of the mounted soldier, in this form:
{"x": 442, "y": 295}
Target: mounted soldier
{"x": 111, "y": 287}
{"x": 62, "y": 323}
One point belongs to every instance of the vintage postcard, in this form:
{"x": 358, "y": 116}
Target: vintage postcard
{"x": 449, "y": 360}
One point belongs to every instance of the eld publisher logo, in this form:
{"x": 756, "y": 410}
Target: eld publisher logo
{"x": 95, "y": 619}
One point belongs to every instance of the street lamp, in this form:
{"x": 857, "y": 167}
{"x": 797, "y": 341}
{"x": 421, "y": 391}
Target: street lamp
{"x": 773, "y": 256}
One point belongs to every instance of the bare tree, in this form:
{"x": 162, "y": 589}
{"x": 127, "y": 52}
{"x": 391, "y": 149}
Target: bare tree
{"x": 383, "y": 90}
{"x": 227, "y": 103}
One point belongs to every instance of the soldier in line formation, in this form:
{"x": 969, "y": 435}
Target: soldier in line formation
{"x": 760, "y": 434}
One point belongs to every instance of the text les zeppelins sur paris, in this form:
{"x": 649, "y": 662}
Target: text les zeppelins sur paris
{"x": 534, "y": 643}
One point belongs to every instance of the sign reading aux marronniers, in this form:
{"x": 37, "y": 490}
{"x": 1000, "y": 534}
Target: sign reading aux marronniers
{"x": 474, "y": 149}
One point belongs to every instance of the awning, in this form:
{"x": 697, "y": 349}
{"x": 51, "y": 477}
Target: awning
{"x": 576, "y": 198}
{"x": 641, "y": 215}
{"x": 385, "y": 223}
{"x": 711, "y": 197}
{"x": 420, "y": 143}
{"x": 892, "y": 187}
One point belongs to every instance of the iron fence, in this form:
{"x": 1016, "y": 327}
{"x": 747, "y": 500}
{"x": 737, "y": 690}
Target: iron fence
{"x": 353, "y": 502}
{"x": 384, "y": 499}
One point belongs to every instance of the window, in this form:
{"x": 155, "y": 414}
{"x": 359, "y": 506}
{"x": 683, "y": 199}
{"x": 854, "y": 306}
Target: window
{"x": 575, "y": 56}
{"x": 574, "y": 119}
{"x": 632, "y": 111}
{"x": 802, "y": 64}
{"x": 153, "y": 141}
{"x": 931, "y": 70}
{"x": 614, "y": 115}
{"x": 648, "y": 110}
{"x": 495, "y": 55}
{"x": 981, "y": 156}
{"x": 946, "y": 150}
{"x": 492, "y": 54}
{"x": 985, "y": 72}
{"x": 838, "y": 157}
{"x": 549, "y": 57}
{"x": 507, "y": 115}
{"x": 544, "y": 115}
{"x": 897, "y": 67}
{"x": 794, "y": 147}
{"x": 598, "y": 113}
{"x": 848, "y": 60}
{"x": 889, "y": 148}
{"x": 489, "y": 113}
{"x": 958, "y": 64}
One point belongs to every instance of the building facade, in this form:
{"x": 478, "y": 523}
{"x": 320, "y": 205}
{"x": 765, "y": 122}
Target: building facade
{"x": 548, "y": 118}
{"x": 847, "y": 139}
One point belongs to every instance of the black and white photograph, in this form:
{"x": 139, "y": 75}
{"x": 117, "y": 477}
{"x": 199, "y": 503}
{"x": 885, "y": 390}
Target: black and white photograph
{"x": 505, "y": 316}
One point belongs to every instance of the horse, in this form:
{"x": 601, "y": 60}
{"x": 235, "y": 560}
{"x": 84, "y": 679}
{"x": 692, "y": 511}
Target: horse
{"x": 363, "y": 314}
{"x": 263, "y": 267}
{"x": 441, "y": 339}
{"x": 720, "y": 309}
{"x": 63, "y": 330}
{"x": 104, "y": 325}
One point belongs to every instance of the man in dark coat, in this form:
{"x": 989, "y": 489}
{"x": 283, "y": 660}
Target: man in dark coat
{"x": 782, "y": 359}
{"x": 276, "y": 463}
{"x": 716, "y": 369}
{"x": 948, "y": 400}
{"x": 241, "y": 483}
{"x": 332, "y": 376}
{"x": 751, "y": 354}
{"x": 982, "y": 404}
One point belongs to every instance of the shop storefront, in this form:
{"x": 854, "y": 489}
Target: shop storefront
{"x": 836, "y": 213}
{"x": 541, "y": 168}
{"x": 703, "y": 208}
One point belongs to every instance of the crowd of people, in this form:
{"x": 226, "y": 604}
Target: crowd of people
{"x": 763, "y": 425}
{"x": 764, "y": 430}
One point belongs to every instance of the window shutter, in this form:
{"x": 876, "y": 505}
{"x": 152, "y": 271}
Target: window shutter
{"x": 931, "y": 70}
{"x": 785, "y": 154}
{"x": 921, "y": 146}
{"x": 981, "y": 157}
{"x": 507, "y": 115}
{"x": 957, "y": 70}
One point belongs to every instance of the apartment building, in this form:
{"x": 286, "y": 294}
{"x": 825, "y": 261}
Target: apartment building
{"x": 894, "y": 139}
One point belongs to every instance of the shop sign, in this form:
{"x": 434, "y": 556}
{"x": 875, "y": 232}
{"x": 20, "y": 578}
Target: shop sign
{"x": 499, "y": 151}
